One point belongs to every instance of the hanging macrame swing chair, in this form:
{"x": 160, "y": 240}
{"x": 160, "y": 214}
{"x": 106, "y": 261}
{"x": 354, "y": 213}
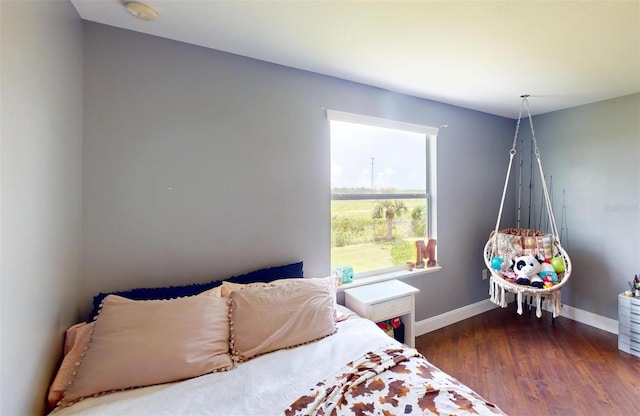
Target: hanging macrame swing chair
{"x": 506, "y": 245}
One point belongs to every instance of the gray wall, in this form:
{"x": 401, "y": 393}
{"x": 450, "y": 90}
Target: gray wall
{"x": 41, "y": 162}
{"x": 593, "y": 154}
{"x": 200, "y": 164}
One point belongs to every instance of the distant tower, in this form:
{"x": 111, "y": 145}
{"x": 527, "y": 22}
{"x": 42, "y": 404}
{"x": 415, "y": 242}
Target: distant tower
{"x": 372, "y": 158}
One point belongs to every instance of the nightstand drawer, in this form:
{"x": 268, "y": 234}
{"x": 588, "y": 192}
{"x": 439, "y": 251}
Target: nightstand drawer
{"x": 626, "y": 318}
{"x": 390, "y": 308}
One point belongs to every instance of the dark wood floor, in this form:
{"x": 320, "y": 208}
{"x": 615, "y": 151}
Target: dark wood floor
{"x": 531, "y": 366}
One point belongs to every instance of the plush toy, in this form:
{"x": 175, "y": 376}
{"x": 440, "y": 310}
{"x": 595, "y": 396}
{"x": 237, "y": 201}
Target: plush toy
{"x": 527, "y": 268}
{"x": 546, "y": 270}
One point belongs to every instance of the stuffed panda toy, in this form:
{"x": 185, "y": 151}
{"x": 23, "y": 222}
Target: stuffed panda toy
{"x": 527, "y": 269}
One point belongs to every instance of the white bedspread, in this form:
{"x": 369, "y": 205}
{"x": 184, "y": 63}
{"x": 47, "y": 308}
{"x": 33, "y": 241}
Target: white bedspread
{"x": 266, "y": 385}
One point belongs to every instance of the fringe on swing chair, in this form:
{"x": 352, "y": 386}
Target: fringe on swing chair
{"x": 504, "y": 246}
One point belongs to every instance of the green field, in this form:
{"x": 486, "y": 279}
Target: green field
{"x": 362, "y": 208}
{"x": 362, "y": 257}
{"x": 366, "y": 248}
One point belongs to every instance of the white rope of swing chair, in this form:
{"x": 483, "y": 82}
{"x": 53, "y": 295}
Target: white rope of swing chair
{"x": 512, "y": 153}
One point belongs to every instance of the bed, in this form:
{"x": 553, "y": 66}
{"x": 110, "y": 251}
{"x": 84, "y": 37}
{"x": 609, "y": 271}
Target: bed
{"x": 278, "y": 348}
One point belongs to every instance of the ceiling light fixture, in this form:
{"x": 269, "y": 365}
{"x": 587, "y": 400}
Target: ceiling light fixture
{"x": 141, "y": 11}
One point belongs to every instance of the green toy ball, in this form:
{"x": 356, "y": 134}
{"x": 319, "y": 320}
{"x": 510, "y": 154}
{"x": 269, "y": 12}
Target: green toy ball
{"x": 558, "y": 264}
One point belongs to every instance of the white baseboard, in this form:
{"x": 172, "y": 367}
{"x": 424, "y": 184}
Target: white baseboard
{"x": 460, "y": 314}
{"x": 591, "y": 319}
{"x": 451, "y": 317}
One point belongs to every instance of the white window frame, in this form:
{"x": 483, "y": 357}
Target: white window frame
{"x": 431, "y": 134}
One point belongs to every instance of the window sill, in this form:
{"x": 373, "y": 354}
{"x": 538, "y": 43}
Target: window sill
{"x": 398, "y": 274}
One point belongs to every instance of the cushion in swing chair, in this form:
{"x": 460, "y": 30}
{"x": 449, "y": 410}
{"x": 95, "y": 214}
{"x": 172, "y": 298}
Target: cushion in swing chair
{"x": 515, "y": 248}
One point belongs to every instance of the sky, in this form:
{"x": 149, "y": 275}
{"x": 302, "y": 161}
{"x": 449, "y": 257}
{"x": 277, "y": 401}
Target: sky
{"x": 399, "y": 157}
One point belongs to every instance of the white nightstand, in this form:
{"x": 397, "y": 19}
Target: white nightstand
{"x": 385, "y": 300}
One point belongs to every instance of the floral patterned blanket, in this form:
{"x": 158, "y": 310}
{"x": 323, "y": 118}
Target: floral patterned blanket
{"x": 391, "y": 381}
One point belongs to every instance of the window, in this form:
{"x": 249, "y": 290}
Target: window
{"x": 382, "y": 191}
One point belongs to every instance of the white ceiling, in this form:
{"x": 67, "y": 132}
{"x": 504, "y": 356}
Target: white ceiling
{"x": 476, "y": 54}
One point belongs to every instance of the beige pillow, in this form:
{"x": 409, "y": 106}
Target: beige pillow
{"x": 76, "y": 341}
{"x": 228, "y": 287}
{"x": 142, "y": 343}
{"x": 343, "y": 313}
{"x": 265, "y": 319}
{"x": 216, "y": 291}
